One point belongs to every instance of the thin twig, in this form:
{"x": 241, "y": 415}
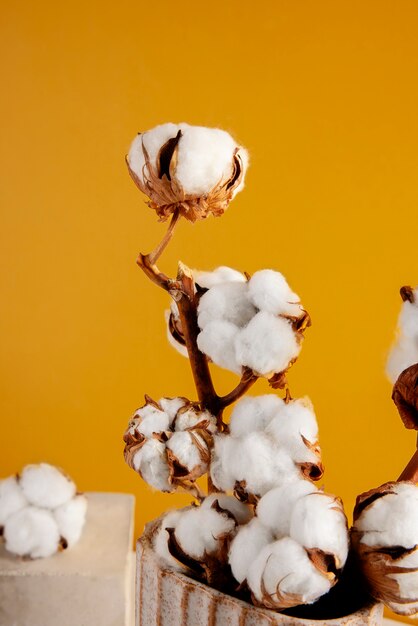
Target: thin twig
{"x": 157, "y": 252}
{"x": 247, "y": 380}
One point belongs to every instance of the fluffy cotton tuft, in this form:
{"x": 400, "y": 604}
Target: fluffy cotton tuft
{"x": 199, "y": 531}
{"x": 404, "y": 353}
{"x": 254, "y": 413}
{"x": 161, "y": 537}
{"x": 217, "y": 341}
{"x": 11, "y": 498}
{"x": 275, "y": 508}
{"x": 151, "y": 462}
{"x": 242, "y": 512}
{"x": 32, "y": 532}
{"x": 267, "y": 344}
{"x": 287, "y": 574}
{"x": 222, "y": 274}
{"x": 70, "y": 518}
{"x": 228, "y": 302}
{"x": 246, "y": 546}
{"x": 269, "y": 291}
{"x": 46, "y": 486}
{"x": 295, "y": 428}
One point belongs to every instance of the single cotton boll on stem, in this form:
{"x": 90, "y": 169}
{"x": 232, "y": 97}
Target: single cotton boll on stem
{"x": 228, "y": 302}
{"x": 275, "y": 508}
{"x": 269, "y": 291}
{"x": 11, "y": 498}
{"x": 318, "y": 522}
{"x": 267, "y": 345}
{"x": 32, "y": 532}
{"x": 217, "y": 341}
{"x": 46, "y": 486}
{"x": 253, "y": 413}
{"x": 245, "y": 547}
{"x": 70, "y": 518}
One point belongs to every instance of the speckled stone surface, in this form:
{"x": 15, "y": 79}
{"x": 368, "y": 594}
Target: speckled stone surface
{"x": 88, "y": 585}
{"x": 166, "y": 598}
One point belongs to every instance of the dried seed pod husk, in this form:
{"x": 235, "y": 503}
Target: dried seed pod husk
{"x": 390, "y": 567}
{"x": 405, "y": 396}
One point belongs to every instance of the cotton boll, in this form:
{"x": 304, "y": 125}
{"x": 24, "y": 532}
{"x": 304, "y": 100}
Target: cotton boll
{"x": 32, "y": 532}
{"x": 70, "y": 518}
{"x": 253, "y": 413}
{"x": 151, "y": 462}
{"x": 275, "y": 508}
{"x": 318, "y": 521}
{"x": 267, "y": 344}
{"x": 245, "y": 547}
{"x": 46, "y": 486}
{"x": 186, "y": 452}
{"x": 241, "y": 512}
{"x": 269, "y": 291}
{"x": 161, "y": 537}
{"x": 205, "y": 158}
{"x": 391, "y": 520}
{"x": 200, "y": 530}
{"x": 153, "y": 140}
{"x": 152, "y": 421}
{"x": 295, "y": 428}
{"x": 222, "y": 274}
{"x": 217, "y": 341}
{"x": 228, "y": 302}
{"x": 11, "y": 498}
{"x": 287, "y": 574}
{"x": 171, "y": 406}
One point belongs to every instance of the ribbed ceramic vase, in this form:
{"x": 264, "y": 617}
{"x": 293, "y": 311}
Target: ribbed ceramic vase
{"x": 167, "y": 598}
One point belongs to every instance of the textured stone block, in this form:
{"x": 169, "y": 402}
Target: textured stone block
{"x": 89, "y": 585}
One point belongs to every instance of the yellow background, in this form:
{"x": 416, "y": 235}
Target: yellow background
{"x": 325, "y": 97}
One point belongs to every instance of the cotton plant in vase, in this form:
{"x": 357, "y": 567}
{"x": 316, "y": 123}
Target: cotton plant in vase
{"x": 263, "y": 531}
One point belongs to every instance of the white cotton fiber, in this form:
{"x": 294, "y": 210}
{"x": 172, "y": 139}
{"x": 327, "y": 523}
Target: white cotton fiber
{"x": 153, "y": 140}
{"x": 184, "y": 448}
{"x": 205, "y": 158}
{"x": 275, "y": 508}
{"x": 285, "y": 568}
{"x": 217, "y": 341}
{"x": 269, "y": 291}
{"x": 198, "y": 531}
{"x": 151, "y": 462}
{"x": 267, "y": 344}
{"x": 160, "y": 540}
{"x": 32, "y": 532}
{"x": 70, "y": 518}
{"x": 405, "y": 350}
{"x": 318, "y": 521}
{"x": 11, "y": 498}
{"x": 222, "y": 274}
{"x": 154, "y": 421}
{"x": 190, "y": 418}
{"x": 254, "y": 413}
{"x": 391, "y": 520}
{"x": 245, "y": 547}
{"x": 292, "y": 424}
{"x": 241, "y": 512}
{"x": 46, "y": 486}
{"x": 228, "y": 302}
{"x": 223, "y": 446}
{"x": 171, "y": 406}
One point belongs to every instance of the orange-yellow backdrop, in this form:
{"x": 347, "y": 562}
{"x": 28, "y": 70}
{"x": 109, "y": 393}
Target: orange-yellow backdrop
{"x": 324, "y": 95}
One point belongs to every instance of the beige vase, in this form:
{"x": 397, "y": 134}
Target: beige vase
{"x": 167, "y": 598}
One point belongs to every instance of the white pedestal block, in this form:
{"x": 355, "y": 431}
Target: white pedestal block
{"x": 87, "y": 585}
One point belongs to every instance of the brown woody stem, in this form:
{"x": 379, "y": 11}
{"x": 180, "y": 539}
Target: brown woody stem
{"x": 248, "y": 379}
